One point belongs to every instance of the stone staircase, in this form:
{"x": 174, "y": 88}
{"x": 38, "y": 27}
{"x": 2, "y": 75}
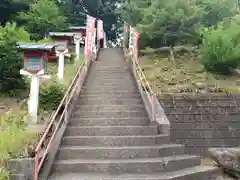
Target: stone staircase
{"x": 110, "y": 135}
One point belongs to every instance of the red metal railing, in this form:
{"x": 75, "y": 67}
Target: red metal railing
{"x": 138, "y": 73}
{"x": 146, "y": 87}
{"x": 56, "y": 121}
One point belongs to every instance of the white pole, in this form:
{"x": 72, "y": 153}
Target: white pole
{"x": 94, "y": 42}
{"x": 61, "y": 66}
{"x": 105, "y": 40}
{"x": 33, "y": 99}
{"x": 77, "y": 48}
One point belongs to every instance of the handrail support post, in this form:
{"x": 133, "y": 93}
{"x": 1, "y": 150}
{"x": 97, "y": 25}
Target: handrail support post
{"x": 153, "y": 108}
{"x": 36, "y": 163}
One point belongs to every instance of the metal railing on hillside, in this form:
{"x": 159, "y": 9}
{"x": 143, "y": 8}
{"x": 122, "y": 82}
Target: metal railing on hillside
{"x": 137, "y": 70}
{"x": 145, "y": 85}
{"x": 61, "y": 115}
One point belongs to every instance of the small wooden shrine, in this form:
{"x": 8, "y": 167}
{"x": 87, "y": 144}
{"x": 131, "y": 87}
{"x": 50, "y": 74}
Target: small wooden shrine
{"x": 35, "y": 56}
{"x": 79, "y": 29}
{"x": 62, "y": 39}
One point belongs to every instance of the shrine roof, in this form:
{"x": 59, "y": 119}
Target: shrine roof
{"x": 61, "y": 34}
{"x": 77, "y": 27}
{"x": 36, "y": 46}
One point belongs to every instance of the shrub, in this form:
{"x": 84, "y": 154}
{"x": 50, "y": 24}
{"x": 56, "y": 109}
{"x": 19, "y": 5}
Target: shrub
{"x": 11, "y": 58}
{"x": 50, "y": 96}
{"x": 13, "y": 136}
{"x": 220, "y": 51}
{"x": 10, "y": 65}
{"x": 14, "y": 139}
{"x": 11, "y": 31}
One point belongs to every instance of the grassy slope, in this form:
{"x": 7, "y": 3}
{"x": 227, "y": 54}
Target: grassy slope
{"x": 185, "y": 74}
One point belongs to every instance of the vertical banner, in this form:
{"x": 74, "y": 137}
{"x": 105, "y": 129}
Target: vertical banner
{"x": 89, "y": 34}
{"x": 94, "y": 48}
{"x": 125, "y": 36}
{"x": 136, "y": 43}
{"x": 131, "y": 40}
{"x": 130, "y": 37}
{"x": 100, "y": 29}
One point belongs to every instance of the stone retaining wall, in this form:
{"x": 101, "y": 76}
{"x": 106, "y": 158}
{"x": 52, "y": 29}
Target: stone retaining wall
{"x": 203, "y": 121}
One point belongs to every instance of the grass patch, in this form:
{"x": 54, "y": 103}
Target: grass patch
{"x": 70, "y": 69}
{"x": 51, "y": 90}
{"x": 14, "y": 139}
{"x": 185, "y": 74}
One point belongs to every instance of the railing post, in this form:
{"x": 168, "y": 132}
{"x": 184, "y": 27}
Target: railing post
{"x": 66, "y": 111}
{"x": 134, "y": 67}
{"x": 153, "y": 107}
{"x": 36, "y": 163}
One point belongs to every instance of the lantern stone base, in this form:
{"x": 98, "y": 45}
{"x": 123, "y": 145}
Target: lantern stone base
{"x": 37, "y": 128}
{"x": 31, "y": 126}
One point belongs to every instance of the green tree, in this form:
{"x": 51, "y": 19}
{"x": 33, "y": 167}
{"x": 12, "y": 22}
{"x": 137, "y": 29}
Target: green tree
{"x": 10, "y": 8}
{"x": 11, "y": 31}
{"x": 11, "y": 59}
{"x": 217, "y": 10}
{"x": 163, "y": 22}
{"x": 76, "y": 10}
{"x": 10, "y": 65}
{"x": 220, "y": 52}
{"x": 43, "y": 16}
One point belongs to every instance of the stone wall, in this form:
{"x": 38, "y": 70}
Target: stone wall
{"x": 203, "y": 121}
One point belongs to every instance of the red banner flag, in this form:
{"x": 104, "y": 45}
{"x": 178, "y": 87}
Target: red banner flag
{"x": 100, "y": 29}
{"x": 136, "y": 43}
{"x": 89, "y": 34}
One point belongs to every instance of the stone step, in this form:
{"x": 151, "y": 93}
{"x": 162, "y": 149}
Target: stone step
{"x": 116, "y": 152}
{"x": 109, "y": 83}
{"x": 111, "y": 70}
{"x": 110, "y": 96}
{"x": 193, "y": 173}
{"x": 118, "y": 166}
{"x": 111, "y": 131}
{"x": 77, "y": 121}
{"x": 110, "y": 75}
{"x": 107, "y": 78}
{"x": 116, "y": 94}
{"x": 115, "y": 82}
{"x": 114, "y": 140}
{"x": 111, "y": 90}
{"x": 97, "y": 77}
{"x": 112, "y": 114}
{"x": 101, "y": 107}
{"x": 108, "y": 100}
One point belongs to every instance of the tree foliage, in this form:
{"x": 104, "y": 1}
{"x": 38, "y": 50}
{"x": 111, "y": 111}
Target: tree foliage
{"x": 14, "y": 33}
{"x": 221, "y": 47}
{"x": 10, "y": 65}
{"x": 43, "y": 16}
{"x": 10, "y": 57}
{"x": 164, "y": 22}
{"x": 170, "y": 23}
{"x": 76, "y": 10}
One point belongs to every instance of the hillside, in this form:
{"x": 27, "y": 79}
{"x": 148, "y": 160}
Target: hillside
{"x": 184, "y": 74}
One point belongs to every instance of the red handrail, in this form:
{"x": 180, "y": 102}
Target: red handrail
{"x": 147, "y": 88}
{"x": 142, "y": 78}
{"x": 70, "y": 91}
